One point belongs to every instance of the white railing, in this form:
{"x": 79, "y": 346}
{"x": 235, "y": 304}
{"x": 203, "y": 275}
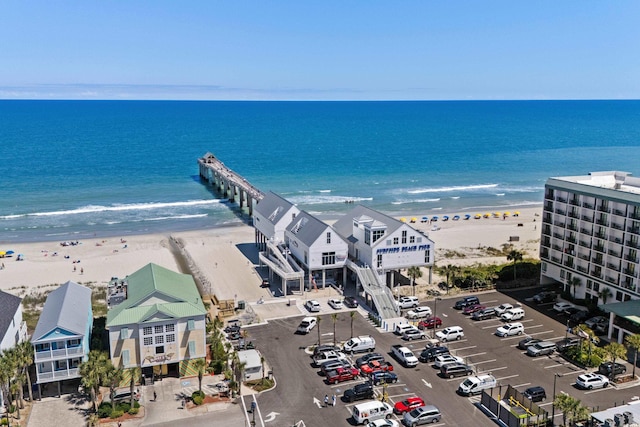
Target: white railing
{"x": 58, "y": 375}
{"x": 381, "y": 295}
{"x": 58, "y": 354}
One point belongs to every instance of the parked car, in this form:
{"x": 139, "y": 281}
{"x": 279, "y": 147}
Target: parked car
{"x": 369, "y": 357}
{"x": 450, "y": 333}
{"x": 579, "y": 317}
{"x": 232, "y": 336}
{"x": 383, "y": 377}
{"x": 233, "y": 326}
{"x": 342, "y": 374}
{"x": 351, "y": 302}
{"x": 324, "y": 347}
{"x": 430, "y": 354}
{"x": 561, "y": 306}
{"x": 566, "y": 343}
{"x": 465, "y": 302}
{"x": 306, "y": 325}
{"x": 470, "y": 309}
{"x": 512, "y": 314}
{"x": 570, "y": 311}
{"x": 408, "y": 404}
{"x": 408, "y": 302}
{"x": 484, "y": 314}
{"x": 610, "y": 369}
{"x": 535, "y": 394}
{"x": 541, "y": 349}
{"x": 335, "y": 303}
{"x": 510, "y": 329}
{"x": 383, "y": 423}
{"x": 320, "y": 358}
{"x": 456, "y": 370}
{"x": 312, "y": 306}
{"x": 447, "y": 359}
{"x": 359, "y": 392}
{"x": 502, "y": 308}
{"x": 526, "y": 342}
{"x": 376, "y": 366}
{"x": 597, "y": 322}
{"x": 591, "y": 381}
{"x": 332, "y": 365}
{"x": 423, "y": 415}
{"x": 430, "y": 323}
{"x": 419, "y": 313}
{"x": 544, "y": 297}
{"x": 413, "y": 334}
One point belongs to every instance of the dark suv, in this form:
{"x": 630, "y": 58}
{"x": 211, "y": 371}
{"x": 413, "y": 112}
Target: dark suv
{"x": 359, "y": 392}
{"x": 456, "y": 370}
{"x": 609, "y": 369}
{"x": 466, "y": 302}
{"x": 430, "y": 354}
{"x": 565, "y": 343}
{"x": 544, "y": 297}
{"x": 535, "y": 394}
{"x": 486, "y": 313}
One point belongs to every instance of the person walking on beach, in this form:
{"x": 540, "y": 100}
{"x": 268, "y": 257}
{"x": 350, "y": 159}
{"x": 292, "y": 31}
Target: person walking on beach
{"x": 326, "y": 400}
{"x": 155, "y": 396}
{"x": 81, "y": 270}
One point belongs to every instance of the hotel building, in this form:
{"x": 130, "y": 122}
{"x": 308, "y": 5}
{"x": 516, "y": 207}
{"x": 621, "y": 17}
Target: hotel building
{"x": 590, "y": 241}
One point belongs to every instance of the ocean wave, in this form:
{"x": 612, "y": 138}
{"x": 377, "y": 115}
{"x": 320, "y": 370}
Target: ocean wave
{"x": 508, "y": 205}
{"x": 454, "y": 188}
{"x": 499, "y": 194}
{"x": 324, "y": 191}
{"x": 405, "y": 201}
{"x": 455, "y": 197}
{"x": 317, "y": 200}
{"x": 117, "y": 208}
{"x": 164, "y": 218}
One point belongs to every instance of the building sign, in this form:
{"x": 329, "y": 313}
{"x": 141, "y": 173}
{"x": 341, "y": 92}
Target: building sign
{"x": 160, "y": 358}
{"x": 412, "y": 248}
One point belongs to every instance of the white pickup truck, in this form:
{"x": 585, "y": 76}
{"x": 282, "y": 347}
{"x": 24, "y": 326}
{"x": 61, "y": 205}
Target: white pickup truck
{"x": 404, "y": 355}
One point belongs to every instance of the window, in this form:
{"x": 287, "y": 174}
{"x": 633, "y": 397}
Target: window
{"x": 159, "y": 339}
{"x": 170, "y": 327}
{"x": 367, "y": 236}
{"x": 377, "y": 235}
{"x": 412, "y": 239}
{"x": 160, "y": 349}
{"x": 379, "y": 260}
{"x": 147, "y": 330}
{"x": 148, "y": 340}
{"x": 404, "y": 236}
{"x": 388, "y": 242}
{"x": 396, "y": 240}
{"x": 562, "y": 274}
{"x": 427, "y": 256}
{"x": 192, "y": 348}
{"x": 125, "y": 357}
{"x": 158, "y": 329}
{"x": 124, "y": 333}
{"x": 328, "y": 238}
{"x": 191, "y": 325}
{"x": 328, "y": 258}
{"x": 171, "y": 338}
{"x": 618, "y": 296}
{"x": 419, "y": 239}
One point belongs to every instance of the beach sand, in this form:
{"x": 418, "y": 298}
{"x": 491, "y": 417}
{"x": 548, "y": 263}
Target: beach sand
{"x": 228, "y": 258}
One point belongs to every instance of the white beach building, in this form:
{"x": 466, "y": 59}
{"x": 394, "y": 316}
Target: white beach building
{"x": 271, "y": 216}
{"x": 590, "y": 243}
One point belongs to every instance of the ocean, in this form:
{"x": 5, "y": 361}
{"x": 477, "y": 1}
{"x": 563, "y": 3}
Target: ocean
{"x": 77, "y": 169}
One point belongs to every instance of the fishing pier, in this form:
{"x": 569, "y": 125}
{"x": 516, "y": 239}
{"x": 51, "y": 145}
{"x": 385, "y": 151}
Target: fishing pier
{"x": 230, "y": 184}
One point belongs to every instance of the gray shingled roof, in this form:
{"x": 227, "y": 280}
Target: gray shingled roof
{"x": 344, "y": 226}
{"x": 270, "y": 203}
{"x": 10, "y": 304}
{"x": 66, "y": 308}
{"x": 307, "y": 228}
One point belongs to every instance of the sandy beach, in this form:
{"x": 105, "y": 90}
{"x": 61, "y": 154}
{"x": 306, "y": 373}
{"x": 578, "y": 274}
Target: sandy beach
{"x": 227, "y": 257}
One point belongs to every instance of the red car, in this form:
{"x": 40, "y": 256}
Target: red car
{"x": 342, "y": 374}
{"x": 430, "y": 323}
{"x": 376, "y": 366}
{"x": 473, "y": 308}
{"x": 408, "y": 405}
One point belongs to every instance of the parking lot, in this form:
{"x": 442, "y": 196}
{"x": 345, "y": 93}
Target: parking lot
{"x": 301, "y": 390}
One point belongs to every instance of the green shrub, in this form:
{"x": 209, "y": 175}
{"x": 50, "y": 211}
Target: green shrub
{"x": 124, "y": 407}
{"x": 136, "y": 404}
{"x": 116, "y": 414}
{"x": 197, "y": 400}
{"x": 197, "y": 393}
{"x": 134, "y": 411}
{"x": 3, "y": 421}
{"x": 104, "y": 410}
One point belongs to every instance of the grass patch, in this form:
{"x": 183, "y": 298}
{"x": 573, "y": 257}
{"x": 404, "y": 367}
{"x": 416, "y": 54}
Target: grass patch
{"x": 260, "y": 385}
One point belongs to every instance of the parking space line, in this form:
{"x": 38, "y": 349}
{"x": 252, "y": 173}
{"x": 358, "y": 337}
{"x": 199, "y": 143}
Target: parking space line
{"x": 493, "y": 326}
{"x": 391, "y": 396}
{"x": 485, "y": 361}
{"x": 514, "y": 337}
{"x": 507, "y": 377}
{"x": 475, "y": 354}
{"x": 466, "y": 348}
{"x": 535, "y": 326}
{"x": 521, "y": 385}
{"x": 497, "y": 369}
{"x": 595, "y": 391}
{"x": 542, "y": 332}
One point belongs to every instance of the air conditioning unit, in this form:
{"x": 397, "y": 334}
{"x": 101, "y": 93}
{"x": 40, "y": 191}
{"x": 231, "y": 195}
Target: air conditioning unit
{"x": 628, "y": 417}
{"x": 619, "y": 420}
{"x": 608, "y": 423}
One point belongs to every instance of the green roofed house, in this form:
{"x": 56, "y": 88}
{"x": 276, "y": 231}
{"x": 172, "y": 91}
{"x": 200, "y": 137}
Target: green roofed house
{"x": 160, "y": 325}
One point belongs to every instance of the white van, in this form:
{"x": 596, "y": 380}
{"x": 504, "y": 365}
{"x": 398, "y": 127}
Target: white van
{"x": 515, "y": 313}
{"x": 475, "y": 385}
{"x": 371, "y": 411}
{"x": 359, "y": 344}
{"x": 451, "y": 333}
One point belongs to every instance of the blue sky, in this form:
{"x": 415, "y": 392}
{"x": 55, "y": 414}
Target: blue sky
{"x": 363, "y": 50}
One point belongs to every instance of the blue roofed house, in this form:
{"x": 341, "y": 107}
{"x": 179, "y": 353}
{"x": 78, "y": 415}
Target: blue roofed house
{"x": 13, "y": 330}
{"x": 63, "y": 333}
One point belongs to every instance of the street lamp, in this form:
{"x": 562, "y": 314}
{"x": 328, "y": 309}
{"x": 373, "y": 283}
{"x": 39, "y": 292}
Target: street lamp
{"x": 553, "y": 402}
{"x": 435, "y": 310}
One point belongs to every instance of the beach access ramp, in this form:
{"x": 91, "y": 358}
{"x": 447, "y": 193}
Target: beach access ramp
{"x": 380, "y": 294}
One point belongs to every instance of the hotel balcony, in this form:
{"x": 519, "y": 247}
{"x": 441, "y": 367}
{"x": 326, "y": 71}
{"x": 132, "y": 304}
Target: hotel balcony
{"x": 573, "y": 214}
{"x": 561, "y": 199}
{"x": 596, "y": 273}
{"x": 62, "y": 374}
{"x": 603, "y": 208}
{"x": 600, "y": 235}
{"x": 628, "y": 284}
{"x": 634, "y": 215}
{"x": 602, "y": 222}
{"x": 599, "y": 248}
{"x": 544, "y": 253}
{"x": 574, "y": 202}
{"x": 631, "y": 273}
{"x": 556, "y": 247}
{"x": 64, "y": 353}
{"x": 598, "y": 261}
{"x": 584, "y": 257}
{"x": 561, "y": 212}
{"x": 634, "y": 230}
{"x": 558, "y": 223}
{"x": 587, "y": 205}
{"x": 619, "y": 212}
{"x": 558, "y": 236}
{"x": 584, "y": 244}
{"x": 572, "y": 227}
{"x": 633, "y": 244}
{"x": 631, "y": 258}
{"x": 582, "y": 269}
{"x": 617, "y": 226}
{"x": 546, "y": 218}
{"x": 572, "y": 239}
{"x": 548, "y": 206}
{"x": 611, "y": 280}
{"x": 586, "y": 230}
{"x": 587, "y": 218}
{"x": 613, "y": 266}
{"x": 615, "y": 240}
{"x": 568, "y": 263}
{"x": 546, "y": 230}
{"x": 614, "y": 253}
{"x": 556, "y": 259}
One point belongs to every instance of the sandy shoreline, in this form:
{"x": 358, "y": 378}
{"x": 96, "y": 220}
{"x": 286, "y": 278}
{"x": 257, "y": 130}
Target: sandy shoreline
{"x": 227, "y": 256}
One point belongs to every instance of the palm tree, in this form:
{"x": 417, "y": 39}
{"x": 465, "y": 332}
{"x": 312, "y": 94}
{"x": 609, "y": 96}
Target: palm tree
{"x": 414, "y": 273}
{"x": 334, "y": 317}
{"x": 592, "y": 338}
{"x": 515, "y": 256}
{"x": 113, "y": 376}
{"x": 92, "y": 372}
{"x": 318, "y": 319}
{"x": 615, "y": 351}
{"x": 262, "y": 365}
{"x": 6, "y": 373}
{"x": 13, "y": 362}
{"x": 573, "y": 283}
{"x": 200, "y": 366}
{"x": 633, "y": 341}
{"x": 449, "y": 271}
{"x": 567, "y": 405}
{"x": 18, "y": 378}
{"x": 605, "y": 293}
{"x": 134, "y": 373}
{"x": 26, "y": 358}
{"x": 352, "y": 314}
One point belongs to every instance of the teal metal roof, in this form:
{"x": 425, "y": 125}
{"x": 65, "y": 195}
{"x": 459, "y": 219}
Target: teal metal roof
{"x": 156, "y": 292}
{"x": 630, "y": 310}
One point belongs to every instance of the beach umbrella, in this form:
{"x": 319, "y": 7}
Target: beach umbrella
{"x": 516, "y": 213}
{"x": 10, "y": 252}
{"x": 425, "y": 219}
{"x": 414, "y": 219}
{"x": 487, "y": 215}
{"x": 445, "y": 218}
{"x": 403, "y": 219}
{"x": 456, "y": 217}
{"x": 2, "y": 253}
{"x": 434, "y": 218}
{"x": 467, "y": 216}
{"x": 497, "y": 214}
{"x": 477, "y": 216}
{"x": 507, "y": 213}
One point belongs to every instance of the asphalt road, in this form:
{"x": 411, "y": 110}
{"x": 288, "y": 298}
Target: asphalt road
{"x": 300, "y": 388}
